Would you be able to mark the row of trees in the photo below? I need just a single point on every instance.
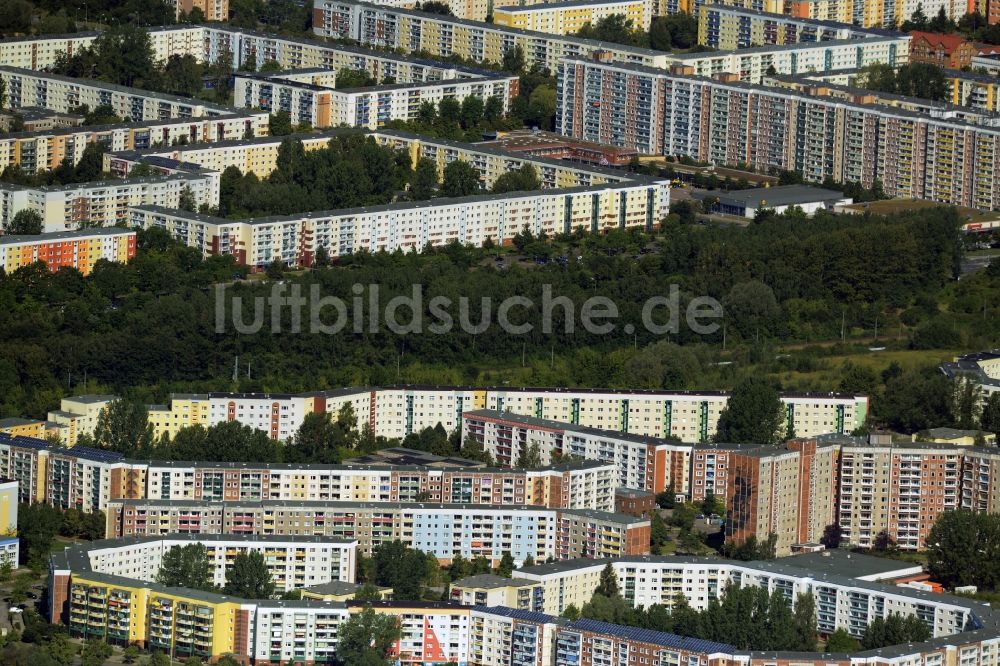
(40, 523)
(749, 618)
(147, 328)
(188, 566)
(351, 171)
(916, 79)
(675, 32)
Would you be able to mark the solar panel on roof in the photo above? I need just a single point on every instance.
(97, 455)
(651, 636)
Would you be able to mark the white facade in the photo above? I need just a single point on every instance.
(294, 562)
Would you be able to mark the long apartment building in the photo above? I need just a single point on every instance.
(94, 599)
(104, 203)
(397, 411)
(88, 479)
(63, 93)
(294, 562)
(897, 488)
(573, 196)
(444, 530)
(730, 27)
(294, 240)
(608, 417)
(44, 151)
(728, 122)
(866, 486)
(210, 42)
(876, 14)
(567, 18)
(446, 36)
(79, 249)
(843, 600)
(790, 492)
(309, 96)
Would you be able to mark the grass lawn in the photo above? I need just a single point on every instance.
(828, 371)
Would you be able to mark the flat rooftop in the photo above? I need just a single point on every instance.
(853, 565)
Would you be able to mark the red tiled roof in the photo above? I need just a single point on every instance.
(947, 41)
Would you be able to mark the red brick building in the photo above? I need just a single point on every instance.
(951, 51)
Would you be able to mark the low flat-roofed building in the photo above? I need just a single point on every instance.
(492, 590)
(746, 203)
(539, 143)
(339, 590)
(634, 501)
(957, 437)
(857, 565)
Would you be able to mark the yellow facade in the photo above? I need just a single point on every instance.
(182, 412)
(24, 428)
(8, 508)
(179, 624)
(569, 18)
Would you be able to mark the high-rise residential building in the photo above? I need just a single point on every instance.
(79, 249)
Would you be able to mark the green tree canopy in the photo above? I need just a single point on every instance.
(249, 577)
(754, 414)
(186, 566)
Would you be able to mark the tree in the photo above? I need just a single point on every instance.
(460, 179)
(401, 568)
(841, 642)
(530, 457)
(754, 414)
(130, 654)
(182, 75)
(249, 577)
(989, 419)
(506, 566)
(608, 584)
(712, 505)
(513, 60)
(26, 221)
(918, 20)
(38, 525)
(186, 200)
(541, 107)
(366, 638)
(894, 630)
(668, 498)
(123, 426)
(963, 548)
(884, 542)
(354, 78)
(275, 270)
(158, 659)
(752, 308)
(435, 7)
(571, 613)
(659, 535)
(941, 22)
(279, 124)
(472, 111)
(965, 402)
(186, 566)
(493, 109)
(368, 592)
(318, 438)
(832, 536)
(524, 179)
(425, 180)
(95, 652)
(805, 622)
(614, 28)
